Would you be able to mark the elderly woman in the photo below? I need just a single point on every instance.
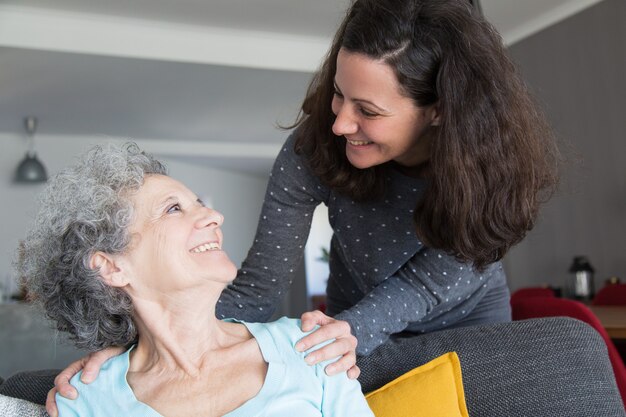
(123, 255)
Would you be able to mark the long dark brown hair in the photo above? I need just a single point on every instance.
(493, 157)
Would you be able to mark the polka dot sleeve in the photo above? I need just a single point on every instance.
(269, 268)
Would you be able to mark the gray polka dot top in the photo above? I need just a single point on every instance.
(383, 280)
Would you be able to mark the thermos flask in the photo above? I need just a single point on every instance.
(581, 279)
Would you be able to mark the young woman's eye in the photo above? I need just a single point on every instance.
(173, 208)
(367, 113)
(337, 93)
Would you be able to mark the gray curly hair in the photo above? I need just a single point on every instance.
(84, 209)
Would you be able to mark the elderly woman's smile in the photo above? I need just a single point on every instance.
(205, 247)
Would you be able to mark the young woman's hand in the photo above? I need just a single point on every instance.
(344, 344)
(90, 365)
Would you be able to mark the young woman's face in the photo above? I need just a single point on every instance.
(377, 121)
(176, 240)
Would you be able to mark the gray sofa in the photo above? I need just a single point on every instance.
(552, 367)
(556, 367)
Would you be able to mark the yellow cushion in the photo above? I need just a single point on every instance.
(431, 390)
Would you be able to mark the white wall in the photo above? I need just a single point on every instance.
(317, 271)
(237, 196)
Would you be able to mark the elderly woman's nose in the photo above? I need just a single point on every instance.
(209, 217)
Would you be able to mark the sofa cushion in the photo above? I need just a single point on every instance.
(14, 407)
(31, 386)
(431, 390)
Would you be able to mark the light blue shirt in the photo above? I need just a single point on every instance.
(291, 387)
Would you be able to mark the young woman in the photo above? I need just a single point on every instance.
(422, 140)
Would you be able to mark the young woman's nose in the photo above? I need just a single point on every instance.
(209, 217)
(345, 122)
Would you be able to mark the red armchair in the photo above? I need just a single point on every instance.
(611, 295)
(531, 292)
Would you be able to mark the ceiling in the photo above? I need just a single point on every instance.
(206, 80)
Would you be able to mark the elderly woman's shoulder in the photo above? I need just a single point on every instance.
(285, 330)
(285, 333)
(282, 335)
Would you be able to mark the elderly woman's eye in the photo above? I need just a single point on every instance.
(173, 208)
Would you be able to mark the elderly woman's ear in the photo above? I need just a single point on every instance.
(110, 269)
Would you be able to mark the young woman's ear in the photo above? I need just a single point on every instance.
(109, 269)
(434, 115)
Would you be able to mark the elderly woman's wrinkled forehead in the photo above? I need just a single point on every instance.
(157, 195)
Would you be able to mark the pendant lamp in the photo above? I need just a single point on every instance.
(30, 170)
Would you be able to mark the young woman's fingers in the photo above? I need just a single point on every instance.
(62, 380)
(310, 319)
(343, 346)
(90, 365)
(354, 372)
(95, 361)
(51, 405)
(345, 363)
(336, 329)
(338, 348)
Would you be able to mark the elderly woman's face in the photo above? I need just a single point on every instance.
(176, 240)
